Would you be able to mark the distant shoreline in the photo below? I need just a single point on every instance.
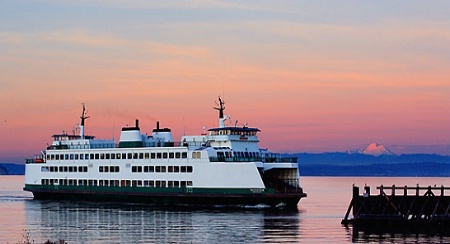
(422, 169)
(12, 169)
(379, 170)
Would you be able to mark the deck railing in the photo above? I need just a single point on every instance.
(254, 159)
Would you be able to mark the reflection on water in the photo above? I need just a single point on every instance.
(422, 232)
(317, 221)
(328, 199)
(398, 238)
(83, 222)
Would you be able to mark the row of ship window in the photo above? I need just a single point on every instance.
(116, 169)
(153, 155)
(170, 169)
(64, 169)
(232, 132)
(120, 183)
(114, 156)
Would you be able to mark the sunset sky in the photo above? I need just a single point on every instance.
(314, 76)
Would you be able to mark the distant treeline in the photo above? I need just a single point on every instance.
(399, 170)
(348, 164)
(341, 159)
(344, 164)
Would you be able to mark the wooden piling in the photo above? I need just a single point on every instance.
(426, 209)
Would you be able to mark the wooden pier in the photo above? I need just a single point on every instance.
(400, 209)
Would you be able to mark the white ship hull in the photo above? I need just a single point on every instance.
(152, 170)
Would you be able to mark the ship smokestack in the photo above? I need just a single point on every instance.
(137, 123)
(157, 125)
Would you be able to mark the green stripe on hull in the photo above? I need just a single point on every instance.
(117, 189)
(167, 196)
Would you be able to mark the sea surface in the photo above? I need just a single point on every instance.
(317, 219)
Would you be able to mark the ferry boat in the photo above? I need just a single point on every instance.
(224, 166)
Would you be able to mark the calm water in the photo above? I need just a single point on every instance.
(316, 221)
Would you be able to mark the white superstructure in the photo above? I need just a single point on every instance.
(223, 166)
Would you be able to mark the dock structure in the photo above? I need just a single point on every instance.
(413, 209)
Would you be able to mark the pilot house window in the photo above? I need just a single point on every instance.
(196, 154)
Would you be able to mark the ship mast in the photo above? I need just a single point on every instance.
(221, 108)
(83, 117)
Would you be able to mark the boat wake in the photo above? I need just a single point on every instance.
(12, 198)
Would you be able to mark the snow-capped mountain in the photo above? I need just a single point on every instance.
(374, 149)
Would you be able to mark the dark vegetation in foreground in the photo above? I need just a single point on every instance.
(27, 239)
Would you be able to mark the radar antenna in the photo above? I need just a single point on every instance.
(83, 114)
(220, 107)
(83, 117)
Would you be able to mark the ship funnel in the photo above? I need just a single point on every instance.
(162, 136)
(131, 137)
